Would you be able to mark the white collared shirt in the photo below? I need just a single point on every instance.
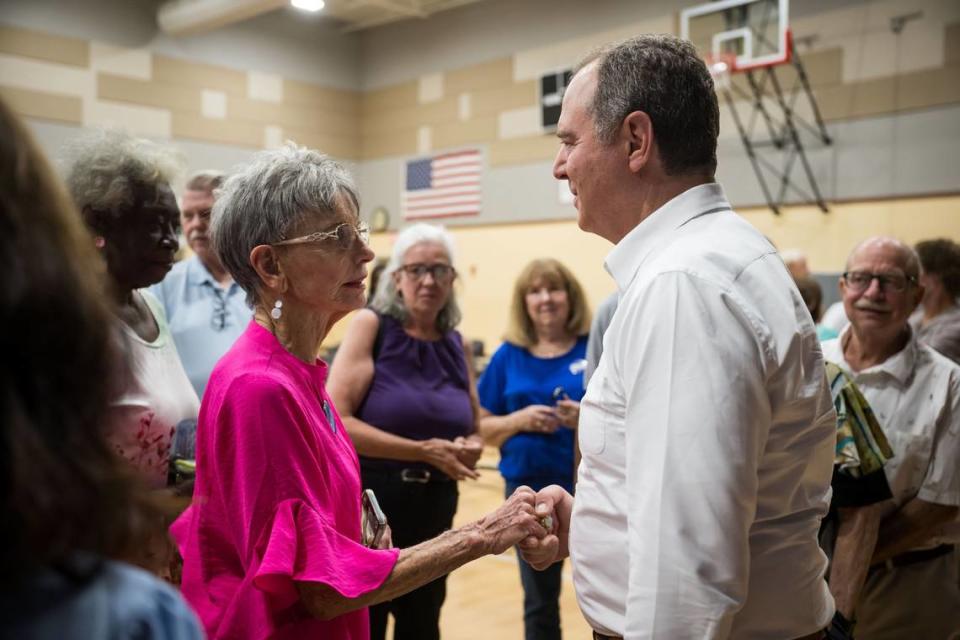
(707, 435)
(915, 395)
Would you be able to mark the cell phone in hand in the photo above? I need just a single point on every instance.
(374, 522)
(560, 394)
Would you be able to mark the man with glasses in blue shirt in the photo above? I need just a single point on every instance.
(206, 309)
(911, 590)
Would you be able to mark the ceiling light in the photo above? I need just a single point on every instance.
(308, 5)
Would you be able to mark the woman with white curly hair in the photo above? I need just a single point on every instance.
(121, 185)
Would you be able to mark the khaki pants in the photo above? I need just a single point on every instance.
(920, 600)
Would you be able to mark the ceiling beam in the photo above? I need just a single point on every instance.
(189, 17)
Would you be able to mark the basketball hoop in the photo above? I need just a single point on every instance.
(721, 66)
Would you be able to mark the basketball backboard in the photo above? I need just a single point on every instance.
(755, 33)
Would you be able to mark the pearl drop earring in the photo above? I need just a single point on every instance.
(277, 310)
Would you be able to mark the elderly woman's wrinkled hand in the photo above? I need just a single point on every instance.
(554, 507)
(445, 455)
(513, 521)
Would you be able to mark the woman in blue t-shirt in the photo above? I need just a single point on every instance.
(529, 397)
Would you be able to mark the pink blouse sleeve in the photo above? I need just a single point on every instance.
(291, 495)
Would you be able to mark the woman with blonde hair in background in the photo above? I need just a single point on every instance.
(405, 389)
(529, 394)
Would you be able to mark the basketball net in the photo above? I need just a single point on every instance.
(721, 66)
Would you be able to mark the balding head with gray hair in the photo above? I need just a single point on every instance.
(265, 201)
(909, 261)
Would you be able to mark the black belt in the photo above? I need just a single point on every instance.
(913, 557)
(415, 475)
(600, 636)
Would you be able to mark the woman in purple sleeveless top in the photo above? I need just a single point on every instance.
(405, 391)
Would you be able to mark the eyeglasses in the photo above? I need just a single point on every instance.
(219, 319)
(343, 236)
(859, 281)
(441, 272)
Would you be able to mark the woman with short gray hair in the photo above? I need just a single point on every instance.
(405, 389)
(272, 544)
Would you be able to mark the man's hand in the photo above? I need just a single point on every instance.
(470, 451)
(513, 521)
(542, 551)
(445, 455)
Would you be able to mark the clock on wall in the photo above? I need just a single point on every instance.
(379, 219)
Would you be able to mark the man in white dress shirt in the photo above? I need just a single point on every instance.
(707, 431)
(912, 589)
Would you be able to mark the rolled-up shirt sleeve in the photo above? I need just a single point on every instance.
(941, 484)
(697, 417)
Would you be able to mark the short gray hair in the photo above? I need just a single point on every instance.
(664, 77)
(387, 299)
(104, 167)
(205, 180)
(264, 201)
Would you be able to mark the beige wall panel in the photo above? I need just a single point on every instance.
(45, 77)
(476, 131)
(294, 116)
(44, 46)
(532, 63)
(150, 94)
(511, 96)
(341, 147)
(477, 77)
(134, 63)
(857, 100)
(823, 67)
(47, 106)
(523, 150)
(196, 127)
(392, 143)
(188, 73)
(487, 276)
(828, 239)
(312, 95)
(929, 88)
(146, 121)
(398, 96)
(443, 111)
(951, 44)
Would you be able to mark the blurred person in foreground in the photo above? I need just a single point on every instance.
(272, 542)
(404, 388)
(529, 394)
(707, 431)
(937, 320)
(206, 310)
(71, 509)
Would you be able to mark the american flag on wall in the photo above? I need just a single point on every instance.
(443, 186)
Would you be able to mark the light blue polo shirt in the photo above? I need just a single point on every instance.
(205, 318)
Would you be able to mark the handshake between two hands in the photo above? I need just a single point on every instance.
(538, 523)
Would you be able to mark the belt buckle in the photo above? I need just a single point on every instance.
(421, 476)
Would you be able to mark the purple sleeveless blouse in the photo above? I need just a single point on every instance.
(420, 389)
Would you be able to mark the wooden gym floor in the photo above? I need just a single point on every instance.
(484, 598)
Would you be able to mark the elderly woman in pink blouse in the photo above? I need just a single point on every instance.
(272, 544)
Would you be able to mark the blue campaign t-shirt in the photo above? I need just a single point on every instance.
(515, 379)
